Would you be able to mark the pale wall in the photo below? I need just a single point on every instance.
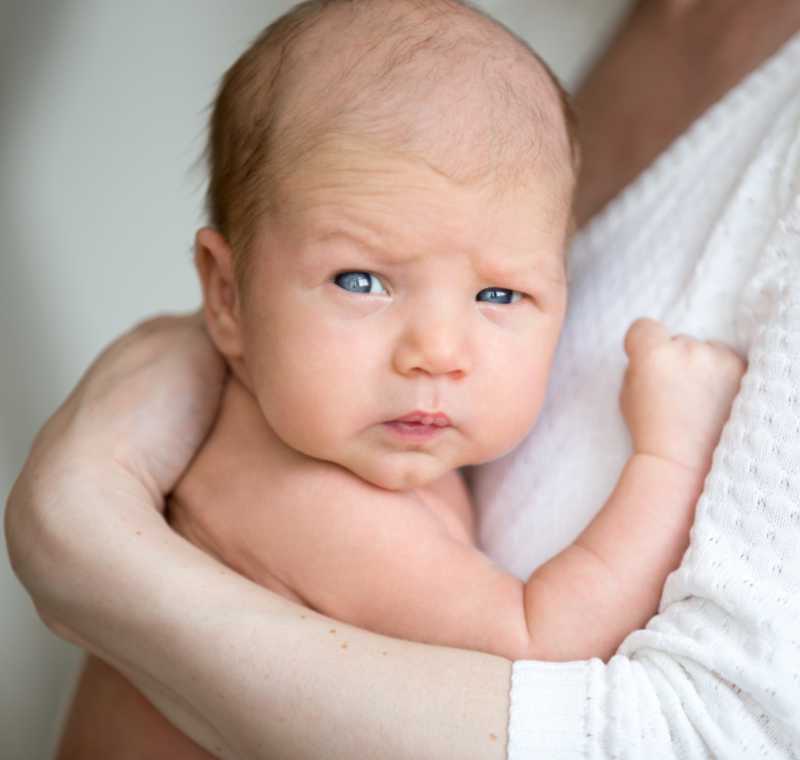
(102, 115)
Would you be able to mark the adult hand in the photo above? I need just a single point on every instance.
(128, 429)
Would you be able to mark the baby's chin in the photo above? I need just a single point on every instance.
(400, 472)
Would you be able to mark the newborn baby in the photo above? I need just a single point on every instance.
(390, 197)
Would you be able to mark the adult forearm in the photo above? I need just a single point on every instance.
(671, 60)
(589, 597)
(244, 672)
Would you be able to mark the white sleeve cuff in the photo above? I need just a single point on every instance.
(551, 710)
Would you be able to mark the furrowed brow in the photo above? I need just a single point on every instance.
(369, 248)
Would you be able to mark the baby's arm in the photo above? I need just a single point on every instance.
(676, 398)
(384, 561)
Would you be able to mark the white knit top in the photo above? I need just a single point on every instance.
(707, 240)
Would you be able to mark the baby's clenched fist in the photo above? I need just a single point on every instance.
(677, 393)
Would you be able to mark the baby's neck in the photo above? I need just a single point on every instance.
(242, 428)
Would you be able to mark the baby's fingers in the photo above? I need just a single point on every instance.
(728, 357)
(726, 348)
(643, 335)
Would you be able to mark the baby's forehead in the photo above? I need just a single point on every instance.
(397, 211)
(453, 88)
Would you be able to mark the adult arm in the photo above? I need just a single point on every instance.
(671, 60)
(87, 539)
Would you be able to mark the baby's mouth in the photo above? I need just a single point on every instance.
(429, 419)
(419, 425)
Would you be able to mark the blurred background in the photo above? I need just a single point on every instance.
(103, 106)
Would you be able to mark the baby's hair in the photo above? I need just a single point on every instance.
(250, 144)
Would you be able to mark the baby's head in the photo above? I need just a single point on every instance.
(390, 196)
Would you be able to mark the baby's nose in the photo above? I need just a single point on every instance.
(435, 345)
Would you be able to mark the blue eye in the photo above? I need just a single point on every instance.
(358, 282)
(499, 295)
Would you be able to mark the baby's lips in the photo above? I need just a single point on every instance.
(437, 419)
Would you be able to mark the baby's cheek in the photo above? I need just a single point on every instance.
(508, 413)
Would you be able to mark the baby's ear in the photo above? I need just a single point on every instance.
(213, 259)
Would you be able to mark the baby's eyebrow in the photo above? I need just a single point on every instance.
(347, 236)
(537, 270)
(372, 249)
(538, 267)
(318, 250)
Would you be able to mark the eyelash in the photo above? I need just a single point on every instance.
(369, 274)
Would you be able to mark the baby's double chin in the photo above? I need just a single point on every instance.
(396, 476)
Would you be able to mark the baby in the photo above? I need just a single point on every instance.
(390, 196)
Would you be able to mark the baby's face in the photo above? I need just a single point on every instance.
(385, 290)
